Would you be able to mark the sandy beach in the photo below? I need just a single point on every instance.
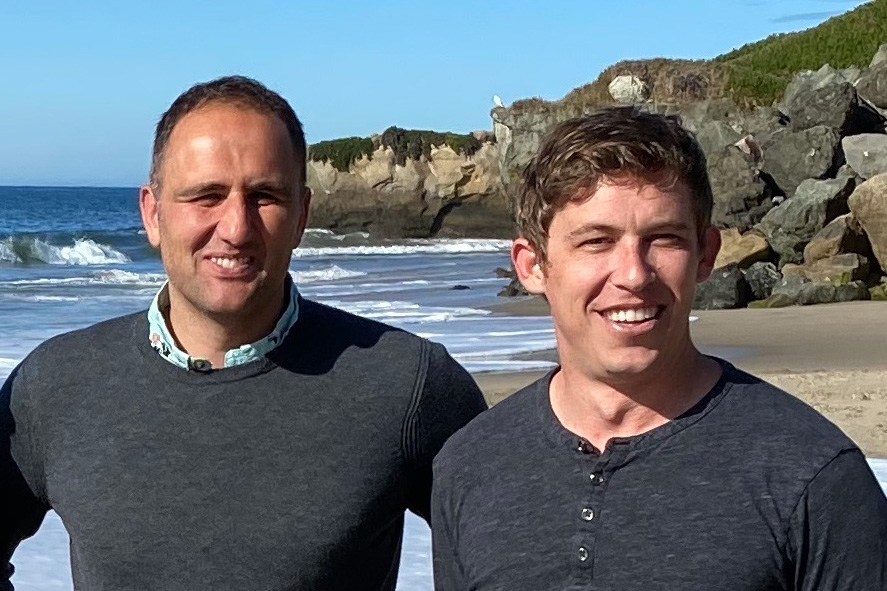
(834, 357)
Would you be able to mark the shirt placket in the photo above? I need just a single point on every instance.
(597, 468)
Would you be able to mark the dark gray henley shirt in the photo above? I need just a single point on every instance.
(749, 490)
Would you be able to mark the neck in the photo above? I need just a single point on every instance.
(602, 408)
(210, 337)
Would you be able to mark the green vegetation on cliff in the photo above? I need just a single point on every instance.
(405, 143)
(754, 74)
(341, 153)
(412, 143)
(759, 72)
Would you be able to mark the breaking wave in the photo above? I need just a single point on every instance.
(464, 246)
(26, 250)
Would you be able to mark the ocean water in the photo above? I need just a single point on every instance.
(70, 257)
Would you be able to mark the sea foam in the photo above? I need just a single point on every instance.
(23, 250)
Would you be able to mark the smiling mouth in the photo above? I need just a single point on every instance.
(232, 263)
(633, 316)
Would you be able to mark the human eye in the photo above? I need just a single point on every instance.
(668, 239)
(208, 199)
(266, 198)
(599, 242)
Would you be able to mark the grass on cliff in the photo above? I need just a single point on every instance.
(406, 143)
(754, 74)
(759, 72)
(341, 153)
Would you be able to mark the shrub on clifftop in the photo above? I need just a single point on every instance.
(412, 143)
(341, 153)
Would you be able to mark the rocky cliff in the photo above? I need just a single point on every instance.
(444, 193)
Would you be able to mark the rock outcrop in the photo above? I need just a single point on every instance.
(447, 194)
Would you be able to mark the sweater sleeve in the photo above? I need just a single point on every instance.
(446, 398)
(21, 511)
(838, 532)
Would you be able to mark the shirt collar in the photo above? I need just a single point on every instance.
(161, 338)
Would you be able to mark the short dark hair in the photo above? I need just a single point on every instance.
(616, 143)
(233, 90)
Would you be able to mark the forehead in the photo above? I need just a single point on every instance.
(621, 201)
(221, 120)
(226, 139)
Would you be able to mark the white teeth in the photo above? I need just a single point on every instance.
(230, 263)
(631, 314)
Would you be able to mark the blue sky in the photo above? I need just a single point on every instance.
(85, 82)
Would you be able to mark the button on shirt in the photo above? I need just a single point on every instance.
(161, 338)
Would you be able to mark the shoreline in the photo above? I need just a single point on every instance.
(831, 356)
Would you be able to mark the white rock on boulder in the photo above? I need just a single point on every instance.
(629, 89)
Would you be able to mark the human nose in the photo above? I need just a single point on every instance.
(235, 223)
(632, 269)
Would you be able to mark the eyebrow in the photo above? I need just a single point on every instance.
(266, 186)
(584, 229)
(202, 188)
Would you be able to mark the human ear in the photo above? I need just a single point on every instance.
(150, 211)
(528, 266)
(304, 202)
(711, 245)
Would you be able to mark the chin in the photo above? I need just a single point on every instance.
(630, 363)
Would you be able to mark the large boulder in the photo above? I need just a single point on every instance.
(792, 224)
(840, 269)
(869, 205)
(725, 288)
(880, 56)
(628, 89)
(715, 136)
(791, 156)
(818, 292)
(825, 97)
(872, 85)
(866, 153)
(762, 277)
(842, 234)
(741, 194)
(741, 249)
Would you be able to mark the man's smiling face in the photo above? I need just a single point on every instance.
(620, 273)
(228, 211)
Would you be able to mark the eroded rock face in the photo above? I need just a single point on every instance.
(448, 194)
(869, 205)
(792, 224)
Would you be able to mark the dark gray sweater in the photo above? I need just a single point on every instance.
(292, 472)
(749, 490)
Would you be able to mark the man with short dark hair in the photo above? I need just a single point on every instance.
(235, 435)
(640, 463)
